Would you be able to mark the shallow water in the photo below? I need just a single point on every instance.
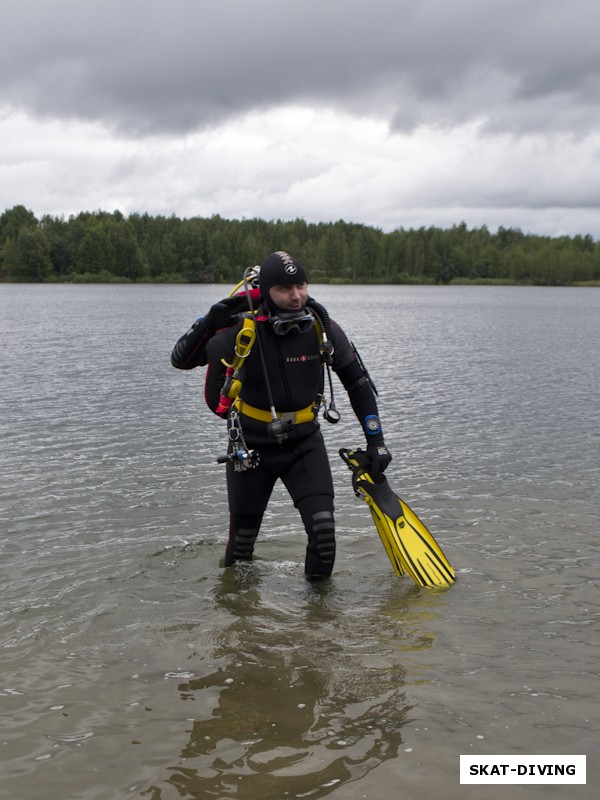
(132, 666)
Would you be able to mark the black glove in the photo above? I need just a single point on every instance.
(379, 457)
(222, 315)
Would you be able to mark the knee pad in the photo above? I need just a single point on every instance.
(243, 531)
(319, 522)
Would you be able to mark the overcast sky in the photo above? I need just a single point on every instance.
(393, 113)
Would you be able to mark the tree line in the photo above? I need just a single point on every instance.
(102, 246)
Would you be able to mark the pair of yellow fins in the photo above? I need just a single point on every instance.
(410, 546)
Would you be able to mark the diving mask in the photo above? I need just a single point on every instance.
(285, 322)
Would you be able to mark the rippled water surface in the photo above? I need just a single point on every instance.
(133, 666)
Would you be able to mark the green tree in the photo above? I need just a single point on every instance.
(28, 257)
(333, 253)
(105, 245)
(128, 257)
(13, 219)
(91, 253)
(364, 253)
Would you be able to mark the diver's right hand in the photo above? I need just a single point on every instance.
(221, 315)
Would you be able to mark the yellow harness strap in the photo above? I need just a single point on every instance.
(243, 345)
(297, 417)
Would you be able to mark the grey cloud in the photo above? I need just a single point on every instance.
(151, 67)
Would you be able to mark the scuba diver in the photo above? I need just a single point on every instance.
(266, 376)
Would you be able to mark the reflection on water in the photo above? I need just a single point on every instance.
(307, 701)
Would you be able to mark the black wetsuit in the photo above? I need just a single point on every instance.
(295, 370)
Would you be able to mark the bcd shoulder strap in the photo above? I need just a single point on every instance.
(244, 342)
(228, 372)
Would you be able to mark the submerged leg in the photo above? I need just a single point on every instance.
(318, 518)
(248, 493)
(243, 530)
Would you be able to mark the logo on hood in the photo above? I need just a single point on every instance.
(288, 262)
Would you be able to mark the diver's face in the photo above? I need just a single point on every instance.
(290, 298)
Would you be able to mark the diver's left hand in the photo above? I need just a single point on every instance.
(379, 457)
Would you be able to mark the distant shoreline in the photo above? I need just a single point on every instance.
(335, 282)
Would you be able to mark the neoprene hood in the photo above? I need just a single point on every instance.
(280, 269)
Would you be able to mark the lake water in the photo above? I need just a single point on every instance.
(133, 666)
